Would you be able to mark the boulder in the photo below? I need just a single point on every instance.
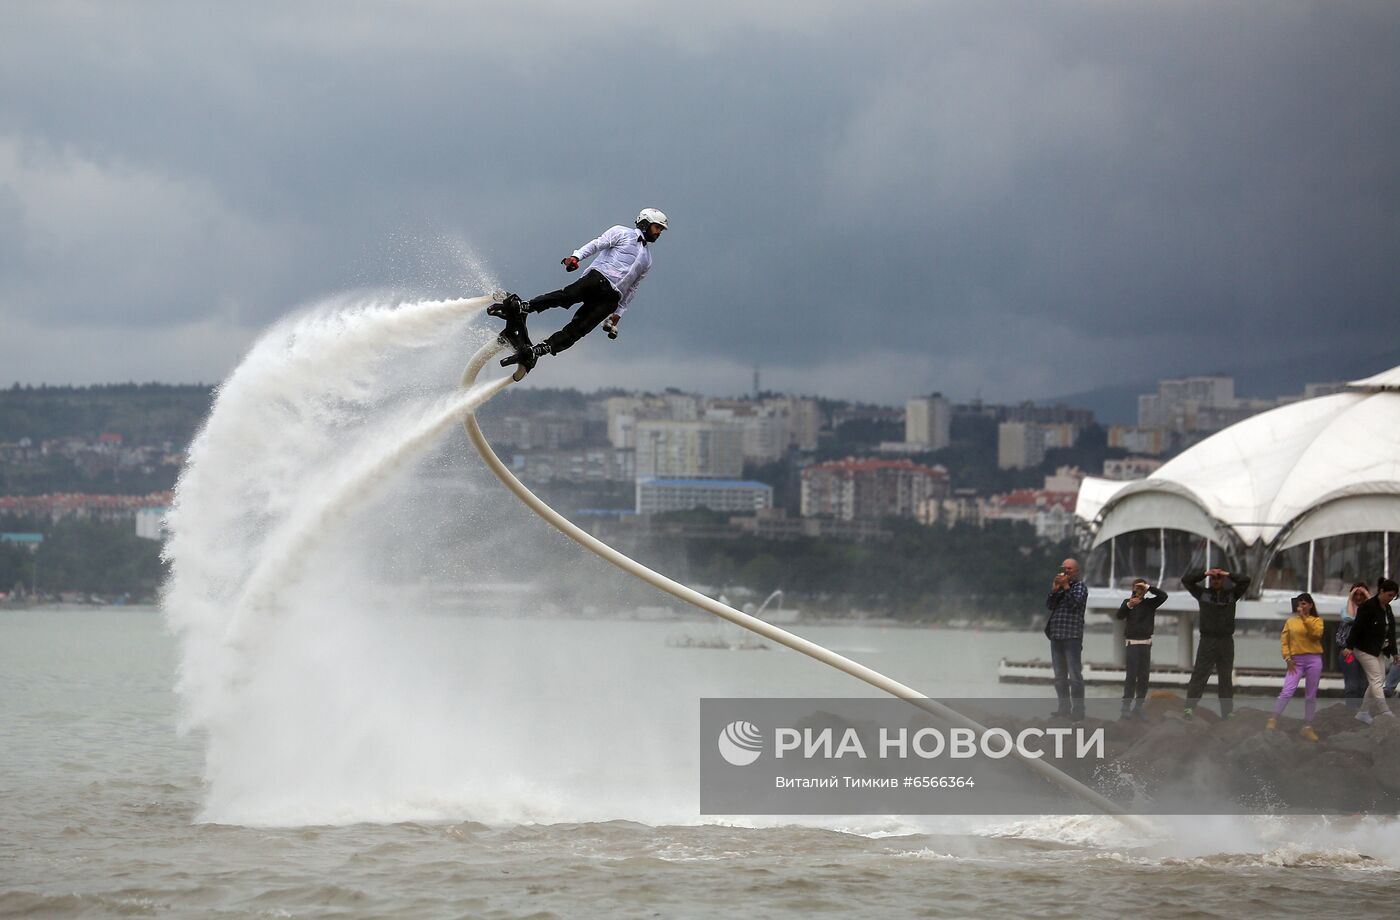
(1169, 748)
(1334, 718)
(1355, 742)
(1335, 780)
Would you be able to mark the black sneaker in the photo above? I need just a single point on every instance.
(541, 350)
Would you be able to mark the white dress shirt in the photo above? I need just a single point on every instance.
(623, 259)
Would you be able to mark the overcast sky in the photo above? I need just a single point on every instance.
(868, 199)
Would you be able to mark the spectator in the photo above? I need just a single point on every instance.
(1065, 630)
(1392, 679)
(1353, 681)
(1373, 635)
(1301, 642)
(1139, 610)
(1216, 651)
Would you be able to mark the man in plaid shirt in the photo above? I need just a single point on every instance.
(1065, 630)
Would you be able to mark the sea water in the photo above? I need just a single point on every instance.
(561, 782)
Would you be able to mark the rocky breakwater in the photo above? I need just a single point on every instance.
(1167, 764)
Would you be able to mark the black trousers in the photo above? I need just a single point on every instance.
(1139, 667)
(597, 301)
(1218, 655)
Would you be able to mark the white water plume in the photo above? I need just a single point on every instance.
(326, 690)
(317, 415)
(287, 548)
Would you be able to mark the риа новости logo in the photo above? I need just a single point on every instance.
(740, 743)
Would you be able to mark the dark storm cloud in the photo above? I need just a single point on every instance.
(905, 196)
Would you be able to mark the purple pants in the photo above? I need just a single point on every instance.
(1307, 667)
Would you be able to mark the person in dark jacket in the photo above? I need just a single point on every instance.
(1373, 635)
(1216, 651)
(1139, 610)
(1064, 627)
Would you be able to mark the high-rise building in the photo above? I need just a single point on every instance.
(854, 489)
(689, 450)
(1149, 411)
(682, 407)
(1019, 445)
(804, 420)
(622, 420)
(1061, 434)
(927, 421)
(1178, 402)
(765, 428)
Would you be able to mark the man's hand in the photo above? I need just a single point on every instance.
(1292, 668)
(610, 325)
(1060, 583)
(570, 263)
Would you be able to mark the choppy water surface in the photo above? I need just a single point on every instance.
(103, 808)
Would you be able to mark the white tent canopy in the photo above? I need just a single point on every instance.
(1354, 514)
(1319, 467)
(1385, 380)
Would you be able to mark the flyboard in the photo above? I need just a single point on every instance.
(515, 337)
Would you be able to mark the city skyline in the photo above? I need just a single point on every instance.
(874, 202)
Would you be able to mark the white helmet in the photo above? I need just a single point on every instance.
(651, 216)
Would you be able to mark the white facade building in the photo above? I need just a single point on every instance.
(622, 420)
(928, 421)
(689, 450)
(655, 496)
(150, 523)
(763, 428)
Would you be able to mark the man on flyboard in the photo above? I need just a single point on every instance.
(603, 292)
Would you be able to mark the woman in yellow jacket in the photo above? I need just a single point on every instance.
(1301, 642)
